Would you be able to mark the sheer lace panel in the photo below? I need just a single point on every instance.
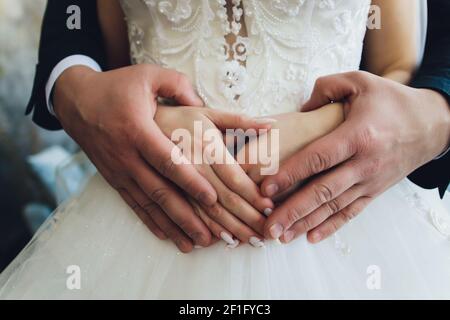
(235, 30)
(249, 56)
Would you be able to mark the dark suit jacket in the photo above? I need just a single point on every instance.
(435, 74)
(58, 42)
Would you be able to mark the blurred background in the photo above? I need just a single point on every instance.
(38, 168)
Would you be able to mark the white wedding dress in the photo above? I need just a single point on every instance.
(397, 248)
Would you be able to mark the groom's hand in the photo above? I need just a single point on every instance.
(110, 115)
(389, 131)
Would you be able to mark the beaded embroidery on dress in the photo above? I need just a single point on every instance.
(280, 47)
(256, 57)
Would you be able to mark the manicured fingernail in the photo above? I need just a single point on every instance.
(256, 242)
(288, 236)
(265, 120)
(268, 212)
(271, 190)
(234, 245)
(316, 237)
(276, 231)
(207, 198)
(227, 238)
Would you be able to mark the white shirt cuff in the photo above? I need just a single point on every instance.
(442, 155)
(63, 65)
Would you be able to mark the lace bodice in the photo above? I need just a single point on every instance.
(278, 48)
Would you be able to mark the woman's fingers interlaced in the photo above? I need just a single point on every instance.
(236, 180)
(236, 227)
(217, 230)
(244, 214)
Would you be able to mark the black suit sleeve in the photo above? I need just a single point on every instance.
(58, 42)
(435, 74)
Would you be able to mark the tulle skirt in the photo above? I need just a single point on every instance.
(398, 248)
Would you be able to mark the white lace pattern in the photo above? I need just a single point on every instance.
(272, 69)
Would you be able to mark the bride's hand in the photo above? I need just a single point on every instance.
(240, 205)
(296, 130)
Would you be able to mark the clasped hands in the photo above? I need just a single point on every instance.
(120, 127)
(239, 215)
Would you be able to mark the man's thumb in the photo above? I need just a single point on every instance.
(329, 89)
(176, 85)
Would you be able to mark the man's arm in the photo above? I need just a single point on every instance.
(389, 131)
(59, 42)
(58, 45)
(434, 74)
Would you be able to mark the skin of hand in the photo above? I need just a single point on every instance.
(112, 121)
(240, 205)
(389, 131)
(296, 130)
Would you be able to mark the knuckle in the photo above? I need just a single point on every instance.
(371, 168)
(352, 211)
(334, 226)
(166, 167)
(160, 196)
(293, 215)
(289, 177)
(149, 208)
(369, 138)
(362, 78)
(306, 224)
(232, 199)
(375, 166)
(235, 181)
(323, 193)
(215, 212)
(333, 207)
(348, 214)
(134, 206)
(318, 162)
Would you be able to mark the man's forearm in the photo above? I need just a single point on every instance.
(434, 74)
(436, 173)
